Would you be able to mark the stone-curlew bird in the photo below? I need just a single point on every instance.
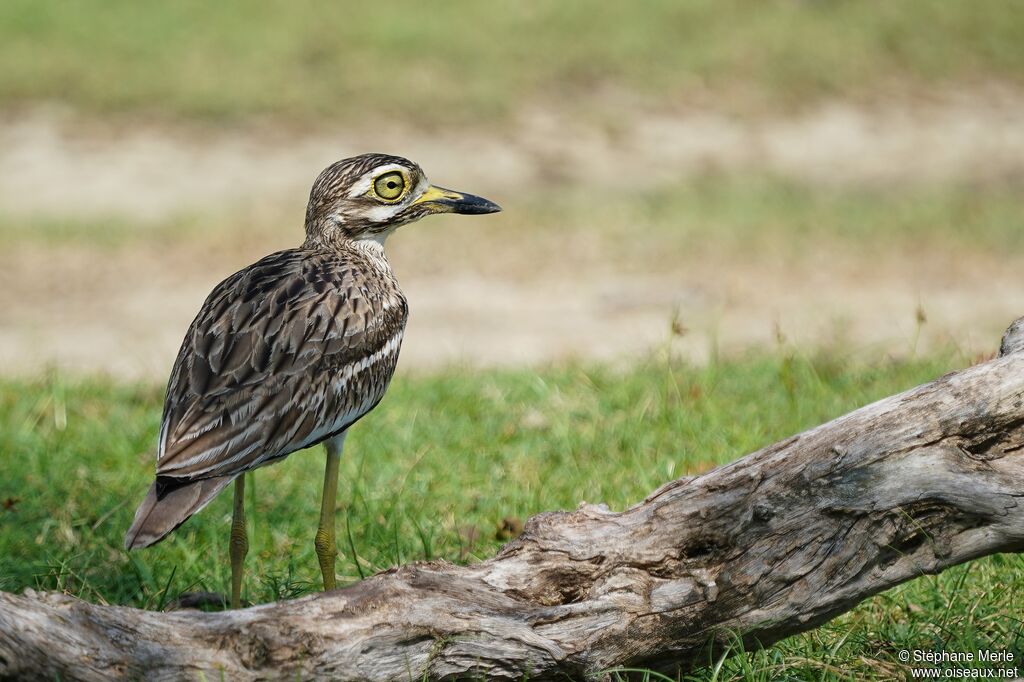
(290, 352)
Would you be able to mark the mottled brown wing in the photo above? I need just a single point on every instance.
(282, 355)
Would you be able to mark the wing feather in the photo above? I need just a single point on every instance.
(283, 354)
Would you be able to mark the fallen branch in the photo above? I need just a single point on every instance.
(773, 544)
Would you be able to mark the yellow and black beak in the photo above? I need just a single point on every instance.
(441, 200)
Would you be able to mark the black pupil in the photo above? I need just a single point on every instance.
(392, 184)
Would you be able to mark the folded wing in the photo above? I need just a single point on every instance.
(282, 355)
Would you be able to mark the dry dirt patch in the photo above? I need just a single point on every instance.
(504, 299)
(53, 163)
(125, 312)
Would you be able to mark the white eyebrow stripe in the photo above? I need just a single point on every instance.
(362, 185)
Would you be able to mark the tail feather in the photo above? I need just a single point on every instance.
(167, 507)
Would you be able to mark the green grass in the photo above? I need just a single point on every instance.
(465, 61)
(437, 468)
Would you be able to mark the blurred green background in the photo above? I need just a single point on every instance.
(724, 222)
(460, 62)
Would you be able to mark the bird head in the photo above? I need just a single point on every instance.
(368, 196)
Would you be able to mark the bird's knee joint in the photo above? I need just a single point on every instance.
(324, 544)
(239, 546)
(239, 543)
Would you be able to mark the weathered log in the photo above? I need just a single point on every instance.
(773, 544)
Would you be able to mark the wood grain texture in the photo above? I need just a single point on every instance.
(773, 544)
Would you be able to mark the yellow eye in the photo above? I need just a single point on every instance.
(389, 186)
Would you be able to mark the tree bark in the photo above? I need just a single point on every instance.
(771, 545)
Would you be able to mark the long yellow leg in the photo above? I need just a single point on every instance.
(239, 545)
(326, 548)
